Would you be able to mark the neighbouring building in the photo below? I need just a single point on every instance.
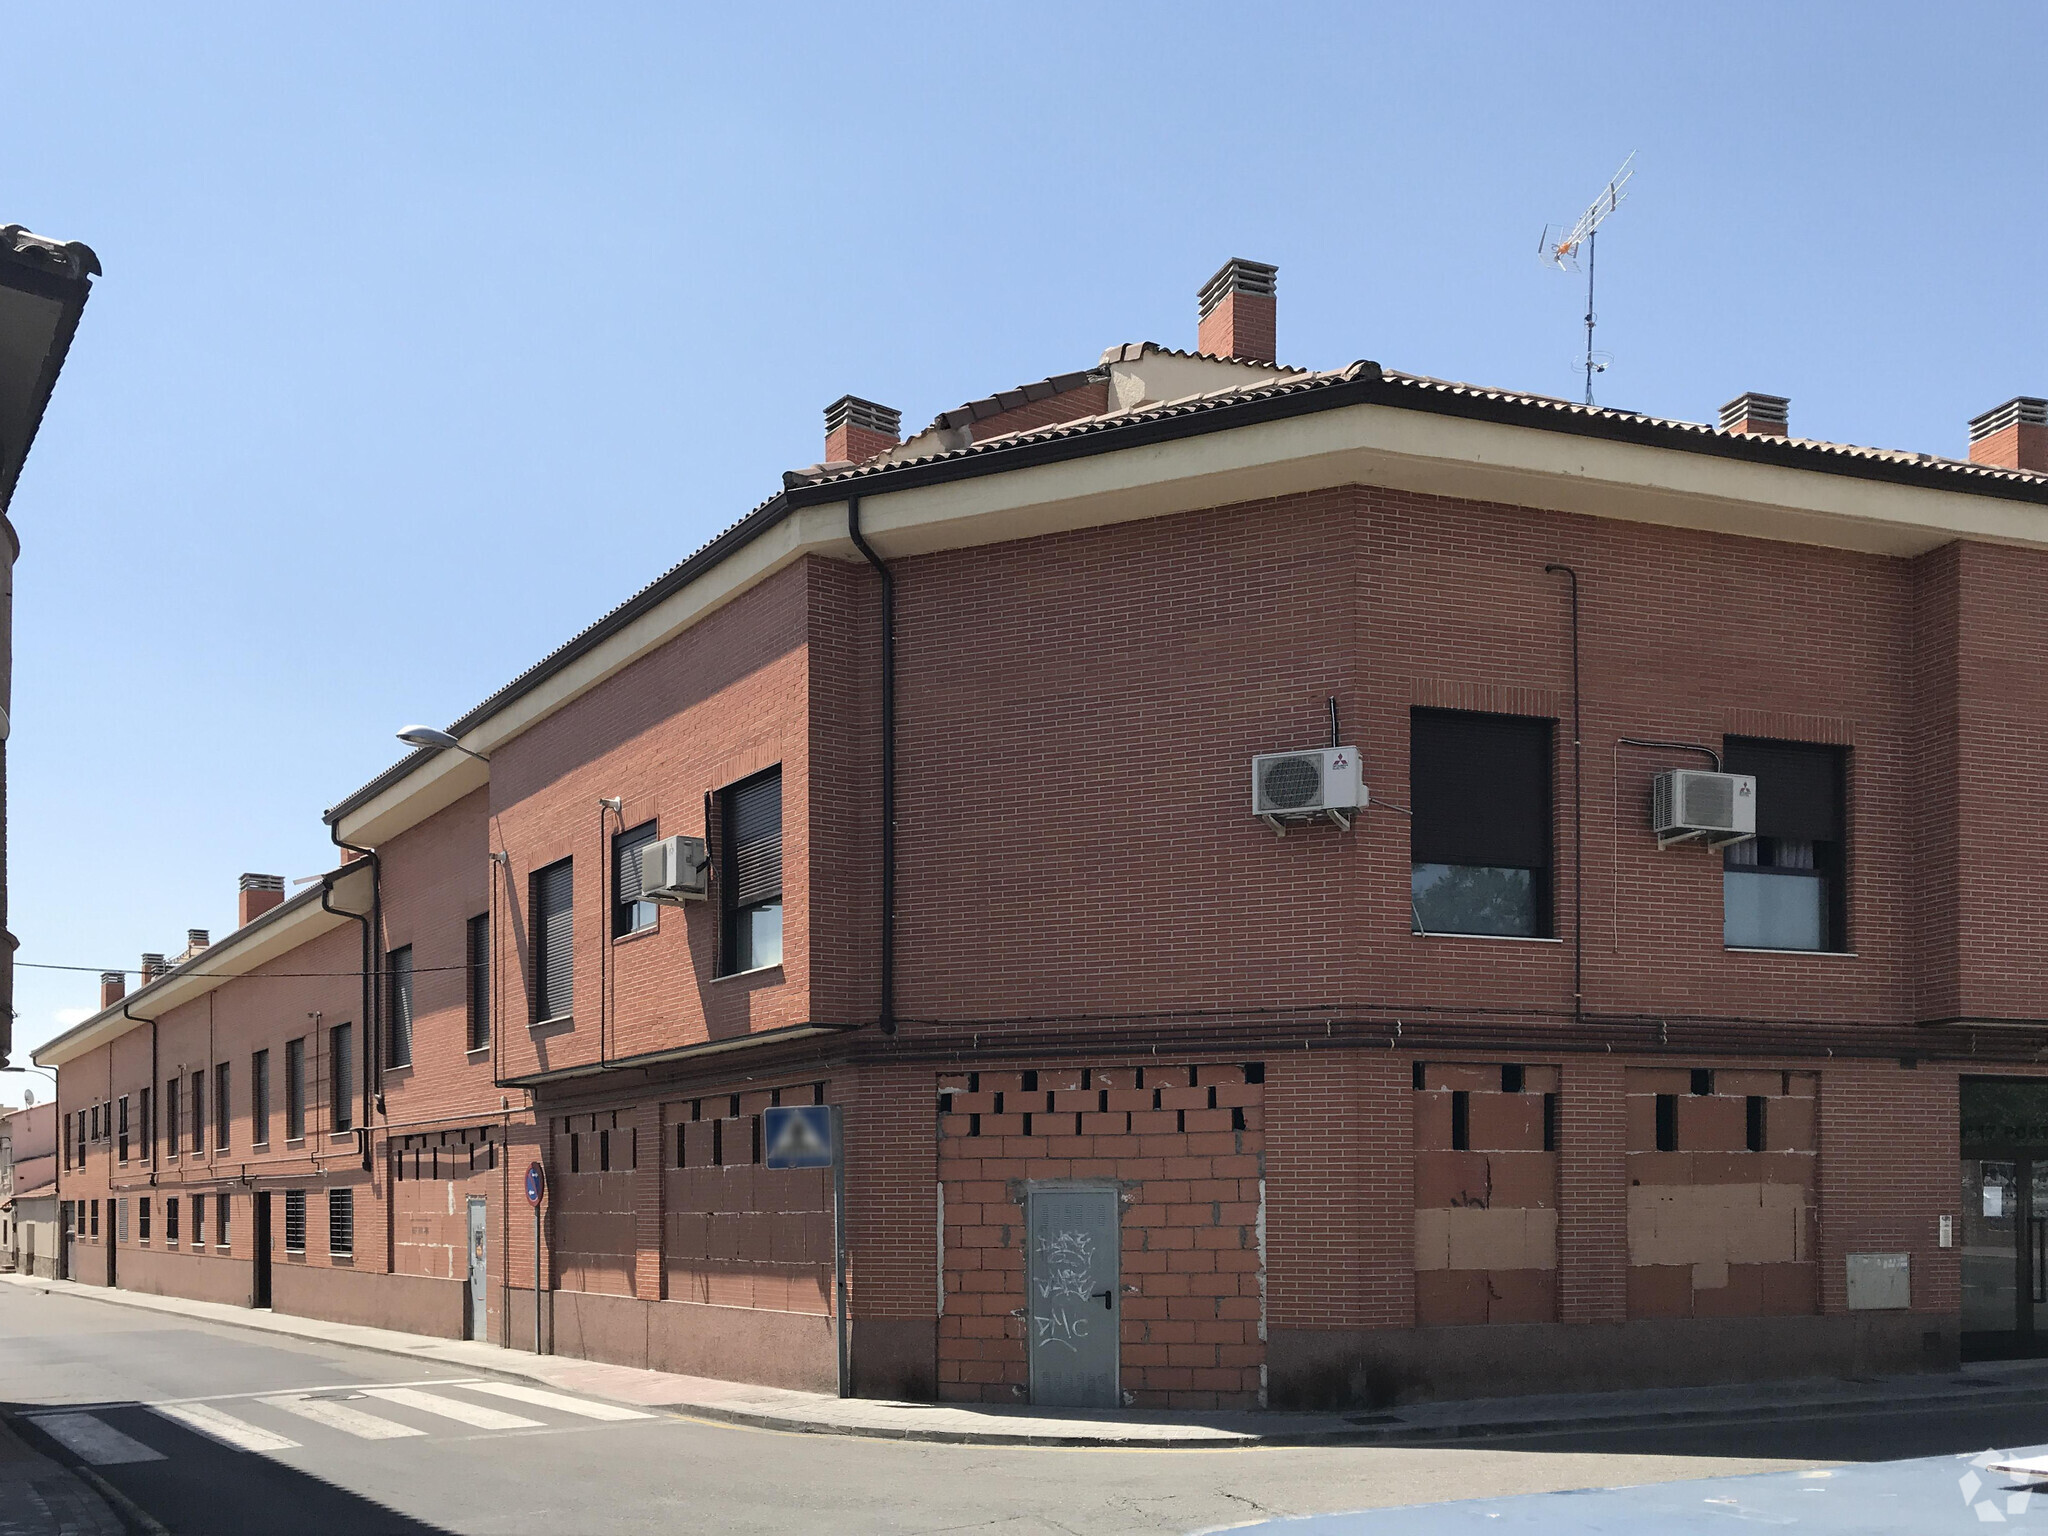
(28, 1190)
(43, 288)
(1660, 1011)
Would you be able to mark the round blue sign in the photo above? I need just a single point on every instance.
(536, 1181)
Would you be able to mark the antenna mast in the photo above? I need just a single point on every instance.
(1561, 250)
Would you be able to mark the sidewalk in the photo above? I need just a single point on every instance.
(1979, 1386)
(40, 1498)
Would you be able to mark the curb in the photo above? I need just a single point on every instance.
(139, 1521)
(1396, 1433)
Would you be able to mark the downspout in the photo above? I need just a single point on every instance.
(373, 924)
(1578, 813)
(887, 1010)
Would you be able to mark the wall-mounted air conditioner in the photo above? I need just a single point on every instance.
(1717, 807)
(1300, 786)
(675, 870)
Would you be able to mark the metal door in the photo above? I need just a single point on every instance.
(259, 1276)
(478, 1247)
(1072, 1297)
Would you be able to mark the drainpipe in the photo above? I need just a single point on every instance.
(887, 1015)
(1578, 812)
(373, 927)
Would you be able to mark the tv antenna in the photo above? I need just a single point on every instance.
(1560, 247)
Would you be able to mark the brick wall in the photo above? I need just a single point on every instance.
(1185, 1147)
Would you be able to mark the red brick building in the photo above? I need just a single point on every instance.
(1141, 1102)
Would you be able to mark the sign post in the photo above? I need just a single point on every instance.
(536, 1186)
(813, 1136)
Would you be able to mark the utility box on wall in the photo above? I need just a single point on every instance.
(1880, 1282)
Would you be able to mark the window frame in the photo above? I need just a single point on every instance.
(398, 981)
(476, 954)
(295, 1089)
(341, 1097)
(543, 995)
(1426, 837)
(638, 915)
(341, 1221)
(736, 956)
(223, 1078)
(174, 1114)
(259, 1098)
(1830, 858)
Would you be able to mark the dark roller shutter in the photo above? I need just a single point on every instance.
(1798, 787)
(479, 958)
(626, 850)
(401, 1007)
(754, 824)
(554, 933)
(1479, 787)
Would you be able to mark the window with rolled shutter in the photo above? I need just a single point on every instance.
(1480, 789)
(750, 828)
(399, 964)
(478, 956)
(629, 912)
(553, 941)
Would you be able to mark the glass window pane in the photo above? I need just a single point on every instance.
(1470, 898)
(1761, 911)
(760, 936)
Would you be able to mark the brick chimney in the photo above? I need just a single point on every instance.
(1238, 312)
(259, 894)
(856, 430)
(2014, 436)
(1758, 415)
(196, 940)
(113, 987)
(152, 967)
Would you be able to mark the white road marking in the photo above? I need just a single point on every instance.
(93, 1440)
(540, 1398)
(225, 1428)
(325, 1386)
(350, 1421)
(451, 1408)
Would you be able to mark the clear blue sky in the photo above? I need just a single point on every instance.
(429, 332)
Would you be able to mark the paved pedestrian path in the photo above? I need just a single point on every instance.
(40, 1498)
(1977, 1386)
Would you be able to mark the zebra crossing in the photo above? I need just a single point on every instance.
(269, 1423)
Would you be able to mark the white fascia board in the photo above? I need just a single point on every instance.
(236, 955)
(1372, 445)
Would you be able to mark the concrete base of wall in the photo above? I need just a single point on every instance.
(409, 1303)
(777, 1349)
(202, 1277)
(1344, 1368)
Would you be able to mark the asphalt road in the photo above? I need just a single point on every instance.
(219, 1431)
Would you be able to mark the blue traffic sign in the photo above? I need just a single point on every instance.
(797, 1136)
(536, 1182)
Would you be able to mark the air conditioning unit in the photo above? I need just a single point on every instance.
(1718, 807)
(1300, 786)
(675, 870)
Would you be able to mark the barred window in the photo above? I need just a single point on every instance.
(294, 1220)
(341, 1222)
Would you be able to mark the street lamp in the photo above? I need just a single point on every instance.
(427, 736)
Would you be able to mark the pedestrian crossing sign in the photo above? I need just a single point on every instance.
(797, 1136)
